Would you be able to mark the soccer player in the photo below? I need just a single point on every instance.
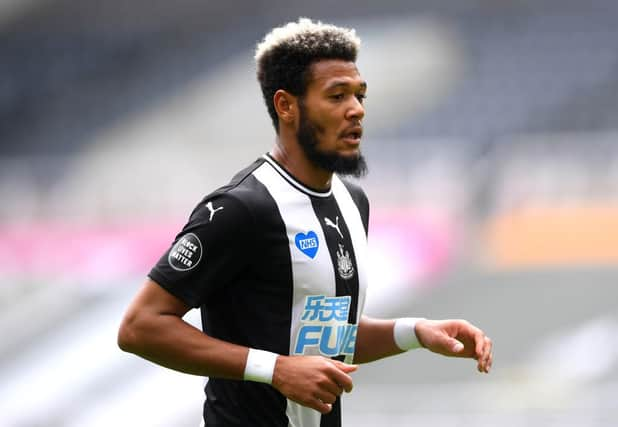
(277, 259)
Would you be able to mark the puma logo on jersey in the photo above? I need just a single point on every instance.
(334, 225)
(212, 210)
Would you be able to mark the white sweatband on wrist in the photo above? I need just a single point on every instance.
(260, 366)
(404, 333)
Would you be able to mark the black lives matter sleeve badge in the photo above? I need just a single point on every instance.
(186, 253)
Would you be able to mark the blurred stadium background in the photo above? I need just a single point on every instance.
(492, 137)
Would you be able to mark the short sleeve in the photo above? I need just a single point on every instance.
(210, 251)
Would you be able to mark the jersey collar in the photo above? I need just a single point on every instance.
(293, 181)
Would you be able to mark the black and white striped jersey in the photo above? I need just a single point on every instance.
(276, 266)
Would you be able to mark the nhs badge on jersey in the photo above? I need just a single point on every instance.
(307, 243)
(325, 328)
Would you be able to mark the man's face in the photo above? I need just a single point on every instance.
(330, 114)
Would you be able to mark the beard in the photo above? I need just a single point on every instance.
(331, 161)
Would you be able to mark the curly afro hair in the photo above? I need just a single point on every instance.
(284, 57)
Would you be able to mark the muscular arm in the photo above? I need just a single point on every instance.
(153, 328)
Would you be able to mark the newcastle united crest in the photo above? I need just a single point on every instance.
(344, 264)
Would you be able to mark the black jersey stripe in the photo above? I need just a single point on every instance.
(333, 418)
(346, 231)
(342, 256)
(355, 221)
(341, 250)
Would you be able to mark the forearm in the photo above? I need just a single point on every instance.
(374, 340)
(171, 342)
(153, 328)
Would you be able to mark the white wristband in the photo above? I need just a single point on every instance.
(404, 333)
(260, 366)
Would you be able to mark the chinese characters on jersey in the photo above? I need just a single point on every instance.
(324, 325)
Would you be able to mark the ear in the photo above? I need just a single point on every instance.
(286, 106)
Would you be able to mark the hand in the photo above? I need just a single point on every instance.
(312, 381)
(456, 338)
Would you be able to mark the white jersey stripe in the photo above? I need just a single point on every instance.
(311, 275)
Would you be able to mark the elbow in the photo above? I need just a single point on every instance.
(127, 335)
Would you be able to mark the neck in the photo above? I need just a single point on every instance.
(293, 159)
